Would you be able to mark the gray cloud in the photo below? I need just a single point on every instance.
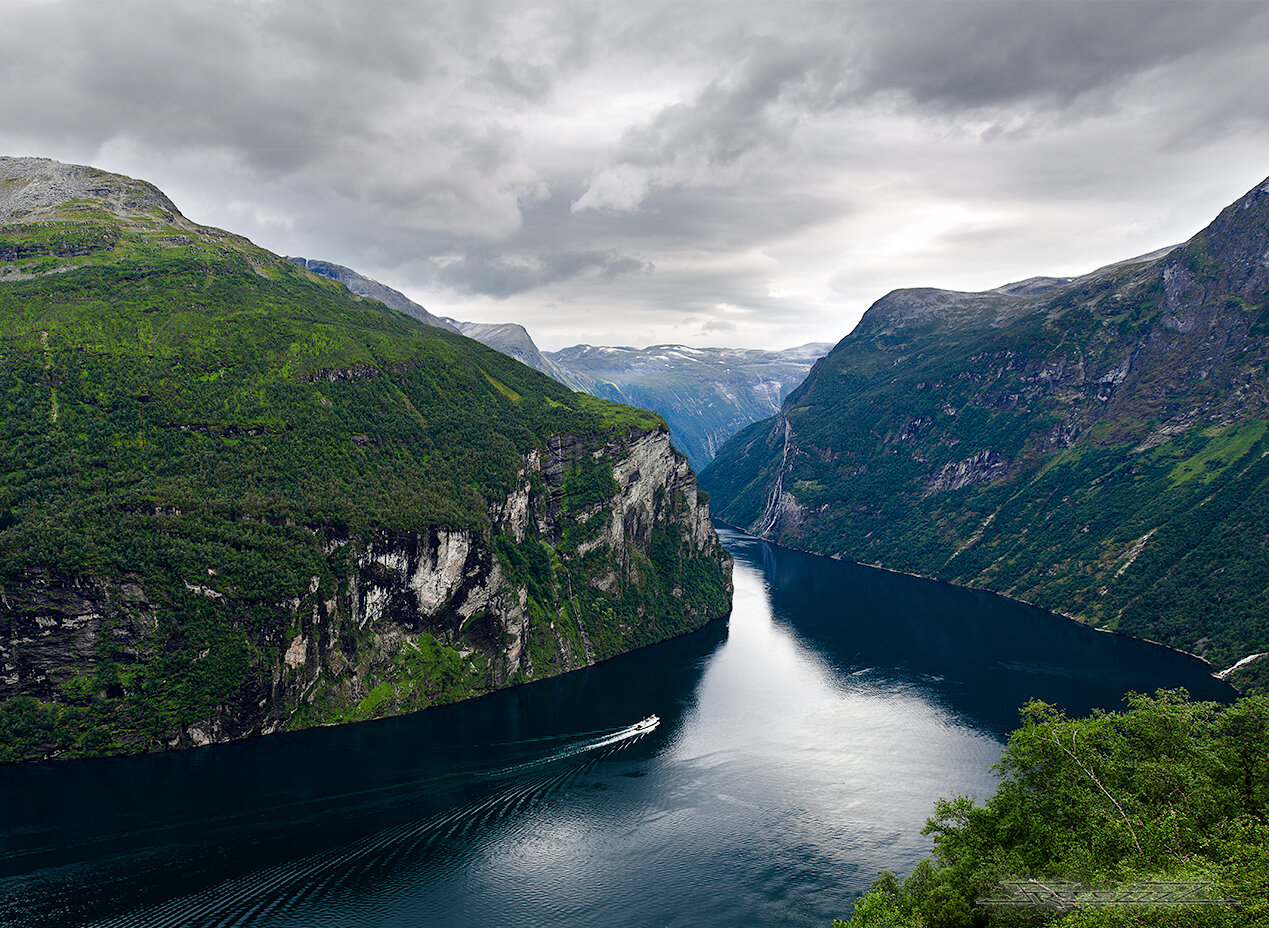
(764, 169)
(500, 275)
(530, 81)
(965, 55)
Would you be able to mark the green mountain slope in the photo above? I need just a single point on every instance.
(705, 395)
(372, 289)
(1098, 445)
(236, 498)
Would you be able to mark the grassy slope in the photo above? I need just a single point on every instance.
(183, 409)
(892, 404)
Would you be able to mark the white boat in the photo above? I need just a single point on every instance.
(647, 724)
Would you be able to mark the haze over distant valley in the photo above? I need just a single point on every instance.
(705, 394)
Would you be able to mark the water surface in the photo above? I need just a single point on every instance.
(801, 749)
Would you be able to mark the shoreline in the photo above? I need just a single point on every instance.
(982, 589)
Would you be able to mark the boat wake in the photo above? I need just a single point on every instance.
(604, 739)
(291, 892)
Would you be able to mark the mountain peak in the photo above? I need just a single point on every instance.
(37, 189)
(1230, 256)
(55, 217)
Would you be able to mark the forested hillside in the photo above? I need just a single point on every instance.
(1098, 445)
(236, 498)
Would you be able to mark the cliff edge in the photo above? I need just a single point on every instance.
(237, 499)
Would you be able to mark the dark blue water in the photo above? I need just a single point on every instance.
(801, 750)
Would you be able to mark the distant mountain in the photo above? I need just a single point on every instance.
(372, 289)
(514, 340)
(1098, 445)
(705, 394)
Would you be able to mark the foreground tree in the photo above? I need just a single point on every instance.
(1168, 796)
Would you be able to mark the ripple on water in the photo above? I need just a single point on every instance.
(801, 750)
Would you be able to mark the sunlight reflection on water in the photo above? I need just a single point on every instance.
(800, 750)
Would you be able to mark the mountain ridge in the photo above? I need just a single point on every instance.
(702, 410)
(513, 339)
(236, 498)
(705, 394)
(1095, 445)
(370, 288)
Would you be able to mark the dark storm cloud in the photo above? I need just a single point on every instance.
(532, 82)
(964, 55)
(274, 87)
(755, 166)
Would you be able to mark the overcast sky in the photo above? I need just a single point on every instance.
(738, 174)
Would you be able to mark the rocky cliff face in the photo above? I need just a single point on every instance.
(419, 618)
(1096, 444)
(235, 498)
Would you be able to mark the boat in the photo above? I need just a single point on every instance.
(647, 724)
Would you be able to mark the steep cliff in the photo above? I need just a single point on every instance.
(236, 499)
(597, 550)
(1098, 445)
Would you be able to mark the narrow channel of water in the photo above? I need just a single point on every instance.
(800, 750)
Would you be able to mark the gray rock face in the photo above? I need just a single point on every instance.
(33, 189)
(355, 652)
(56, 624)
(372, 289)
(983, 467)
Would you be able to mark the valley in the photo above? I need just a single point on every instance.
(1095, 445)
(577, 464)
